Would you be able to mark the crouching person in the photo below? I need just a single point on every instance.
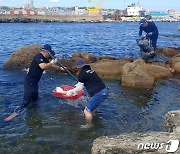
(94, 85)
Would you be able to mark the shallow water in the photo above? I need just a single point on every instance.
(55, 125)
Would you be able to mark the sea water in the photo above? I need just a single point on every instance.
(54, 125)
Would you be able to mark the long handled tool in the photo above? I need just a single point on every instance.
(11, 116)
(17, 111)
(64, 67)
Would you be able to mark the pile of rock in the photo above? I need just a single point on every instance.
(135, 73)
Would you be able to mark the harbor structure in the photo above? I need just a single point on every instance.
(135, 10)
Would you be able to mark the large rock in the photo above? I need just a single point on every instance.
(109, 69)
(22, 57)
(89, 58)
(150, 142)
(175, 63)
(158, 72)
(135, 143)
(168, 52)
(172, 121)
(140, 74)
(136, 77)
(131, 73)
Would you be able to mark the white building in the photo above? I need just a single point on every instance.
(80, 11)
(174, 14)
(135, 10)
(53, 11)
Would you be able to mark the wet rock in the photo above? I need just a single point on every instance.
(140, 74)
(150, 142)
(134, 143)
(172, 122)
(108, 57)
(168, 52)
(139, 62)
(109, 69)
(175, 63)
(89, 58)
(75, 56)
(158, 72)
(136, 76)
(131, 73)
(161, 64)
(22, 57)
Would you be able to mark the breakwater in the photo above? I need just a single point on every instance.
(17, 18)
(43, 18)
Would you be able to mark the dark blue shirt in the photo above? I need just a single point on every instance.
(150, 28)
(35, 72)
(91, 80)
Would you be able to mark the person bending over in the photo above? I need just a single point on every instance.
(94, 85)
(151, 30)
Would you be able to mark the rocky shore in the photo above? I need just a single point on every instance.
(132, 73)
(147, 143)
(43, 18)
(17, 18)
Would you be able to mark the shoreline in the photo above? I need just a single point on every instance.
(64, 18)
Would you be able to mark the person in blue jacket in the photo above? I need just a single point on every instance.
(151, 30)
(95, 87)
(39, 63)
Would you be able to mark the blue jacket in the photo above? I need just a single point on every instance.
(150, 28)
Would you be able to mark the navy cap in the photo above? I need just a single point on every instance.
(47, 47)
(79, 63)
(142, 21)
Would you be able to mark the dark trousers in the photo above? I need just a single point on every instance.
(154, 42)
(30, 93)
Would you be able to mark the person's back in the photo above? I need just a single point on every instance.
(94, 85)
(91, 80)
(35, 72)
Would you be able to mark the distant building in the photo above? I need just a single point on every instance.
(174, 14)
(76, 10)
(3, 9)
(80, 11)
(29, 6)
(135, 10)
(52, 11)
(156, 14)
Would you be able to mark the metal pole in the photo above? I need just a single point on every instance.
(64, 68)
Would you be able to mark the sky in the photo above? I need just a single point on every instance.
(153, 5)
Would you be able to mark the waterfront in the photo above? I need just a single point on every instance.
(55, 125)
